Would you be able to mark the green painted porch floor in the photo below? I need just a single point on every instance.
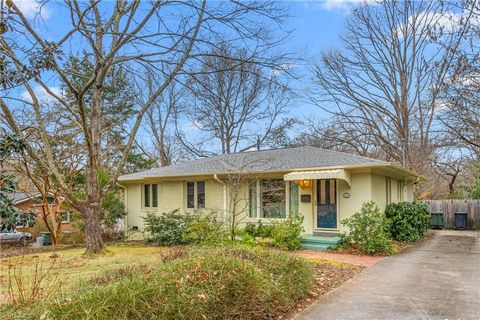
(319, 242)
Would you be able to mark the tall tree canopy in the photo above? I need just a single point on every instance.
(137, 38)
(384, 84)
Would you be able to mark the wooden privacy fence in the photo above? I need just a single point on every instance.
(450, 207)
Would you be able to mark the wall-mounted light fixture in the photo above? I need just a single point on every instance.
(304, 183)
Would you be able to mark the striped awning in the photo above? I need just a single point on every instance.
(317, 175)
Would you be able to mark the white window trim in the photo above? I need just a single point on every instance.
(151, 208)
(259, 204)
(68, 217)
(195, 194)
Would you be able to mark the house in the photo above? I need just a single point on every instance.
(324, 186)
(25, 202)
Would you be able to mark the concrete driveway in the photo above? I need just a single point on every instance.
(440, 279)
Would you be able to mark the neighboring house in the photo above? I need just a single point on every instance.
(32, 201)
(322, 185)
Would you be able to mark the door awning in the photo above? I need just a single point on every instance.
(341, 174)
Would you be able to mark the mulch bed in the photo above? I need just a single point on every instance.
(401, 246)
(328, 275)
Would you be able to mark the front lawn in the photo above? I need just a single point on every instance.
(141, 282)
(71, 268)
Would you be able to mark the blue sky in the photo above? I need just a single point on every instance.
(316, 25)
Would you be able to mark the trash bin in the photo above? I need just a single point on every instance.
(47, 238)
(39, 241)
(461, 221)
(436, 220)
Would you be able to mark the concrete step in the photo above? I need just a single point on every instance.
(324, 240)
(311, 246)
(319, 243)
(325, 234)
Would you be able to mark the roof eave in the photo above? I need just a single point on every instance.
(356, 166)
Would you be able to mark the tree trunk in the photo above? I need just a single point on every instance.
(451, 185)
(93, 230)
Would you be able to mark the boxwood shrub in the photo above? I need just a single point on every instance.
(408, 221)
(368, 230)
(167, 229)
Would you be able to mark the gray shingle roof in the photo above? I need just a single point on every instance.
(257, 161)
(18, 197)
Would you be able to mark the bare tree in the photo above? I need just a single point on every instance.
(161, 122)
(460, 112)
(236, 103)
(159, 36)
(239, 180)
(449, 165)
(337, 135)
(385, 83)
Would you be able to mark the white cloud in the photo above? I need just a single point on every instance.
(345, 6)
(193, 126)
(438, 23)
(42, 95)
(32, 8)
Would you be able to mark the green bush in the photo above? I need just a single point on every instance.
(260, 230)
(207, 283)
(206, 228)
(408, 221)
(167, 229)
(368, 230)
(247, 239)
(286, 234)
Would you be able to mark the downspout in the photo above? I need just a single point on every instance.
(125, 203)
(224, 185)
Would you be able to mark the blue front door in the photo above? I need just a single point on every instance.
(327, 204)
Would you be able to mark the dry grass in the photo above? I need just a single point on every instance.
(74, 267)
(226, 282)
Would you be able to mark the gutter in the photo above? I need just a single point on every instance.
(224, 185)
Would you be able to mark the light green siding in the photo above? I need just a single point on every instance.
(365, 186)
(360, 191)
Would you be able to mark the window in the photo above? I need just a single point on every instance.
(195, 194)
(150, 195)
(65, 216)
(252, 203)
(201, 194)
(399, 191)
(146, 195)
(267, 198)
(388, 190)
(39, 200)
(293, 198)
(273, 196)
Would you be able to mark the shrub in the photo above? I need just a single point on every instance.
(265, 230)
(167, 229)
(247, 239)
(206, 228)
(76, 234)
(286, 234)
(260, 230)
(208, 283)
(408, 221)
(250, 229)
(112, 234)
(368, 230)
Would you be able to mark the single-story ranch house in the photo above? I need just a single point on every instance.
(322, 185)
